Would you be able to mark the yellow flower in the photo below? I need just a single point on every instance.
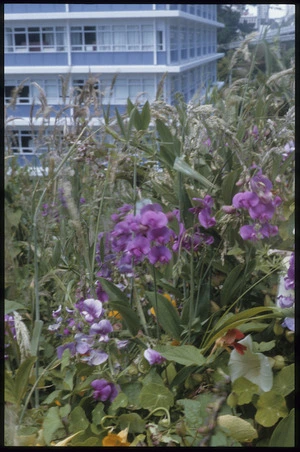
(115, 314)
(116, 440)
(169, 298)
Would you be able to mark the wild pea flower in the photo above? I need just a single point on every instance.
(153, 357)
(91, 309)
(159, 254)
(261, 205)
(203, 210)
(103, 328)
(288, 149)
(104, 390)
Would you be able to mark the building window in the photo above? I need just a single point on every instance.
(108, 38)
(83, 39)
(21, 142)
(192, 42)
(159, 40)
(34, 39)
(174, 44)
(183, 43)
(23, 96)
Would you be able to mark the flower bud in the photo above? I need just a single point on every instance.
(279, 362)
(290, 336)
(278, 330)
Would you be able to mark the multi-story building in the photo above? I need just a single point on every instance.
(61, 47)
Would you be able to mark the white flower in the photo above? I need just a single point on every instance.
(253, 366)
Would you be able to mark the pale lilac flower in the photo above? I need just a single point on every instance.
(91, 309)
(153, 357)
(96, 357)
(103, 390)
(285, 301)
(289, 322)
(70, 346)
(103, 328)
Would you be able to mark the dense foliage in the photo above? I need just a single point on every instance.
(150, 277)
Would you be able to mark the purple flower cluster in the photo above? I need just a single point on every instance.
(141, 236)
(90, 330)
(261, 205)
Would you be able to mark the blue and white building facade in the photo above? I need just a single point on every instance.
(48, 45)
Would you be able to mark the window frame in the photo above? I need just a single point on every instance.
(33, 39)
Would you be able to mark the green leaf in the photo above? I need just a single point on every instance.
(9, 389)
(10, 306)
(284, 433)
(156, 396)
(167, 315)
(232, 284)
(193, 415)
(78, 420)
(187, 355)
(284, 381)
(121, 401)
(133, 390)
(22, 377)
(121, 124)
(56, 253)
(36, 334)
(145, 116)
(270, 407)
(184, 168)
(132, 421)
(245, 390)
(98, 413)
(237, 428)
(51, 424)
(228, 186)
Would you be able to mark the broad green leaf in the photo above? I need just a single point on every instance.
(52, 422)
(284, 381)
(237, 428)
(10, 306)
(132, 421)
(22, 377)
(187, 355)
(167, 139)
(9, 389)
(232, 284)
(167, 315)
(184, 168)
(245, 390)
(78, 420)
(133, 390)
(36, 334)
(136, 118)
(284, 433)
(121, 401)
(270, 407)
(156, 396)
(194, 415)
(98, 413)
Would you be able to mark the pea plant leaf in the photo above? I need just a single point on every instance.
(270, 407)
(156, 396)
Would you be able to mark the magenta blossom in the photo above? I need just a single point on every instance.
(154, 220)
(153, 357)
(139, 246)
(103, 390)
(205, 218)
